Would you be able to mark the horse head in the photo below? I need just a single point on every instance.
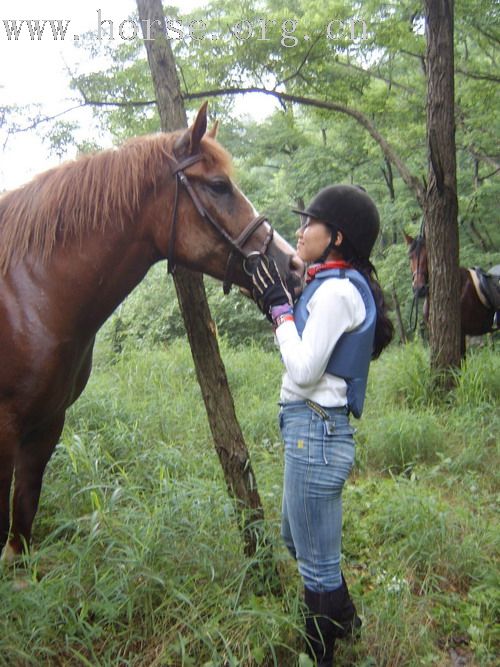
(213, 227)
(417, 253)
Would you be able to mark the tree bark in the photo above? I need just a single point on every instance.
(441, 205)
(229, 442)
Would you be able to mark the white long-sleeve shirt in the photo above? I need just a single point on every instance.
(334, 308)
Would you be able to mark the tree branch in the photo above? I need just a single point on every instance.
(379, 77)
(481, 179)
(389, 153)
(484, 158)
(493, 38)
(478, 76)
(46, 119)
(411, 181)
(304, 60)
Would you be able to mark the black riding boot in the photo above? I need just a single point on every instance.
(349, 623)
(331, 614)
(320, 629)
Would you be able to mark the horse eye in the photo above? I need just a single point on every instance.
(220, 186)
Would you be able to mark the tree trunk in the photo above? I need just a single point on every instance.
(210, 371)
(399, 319)
(441, 206)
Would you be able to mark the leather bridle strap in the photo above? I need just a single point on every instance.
(176, 168)
(237, 245)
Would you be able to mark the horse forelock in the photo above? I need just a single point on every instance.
(416, 245)
(89, 193)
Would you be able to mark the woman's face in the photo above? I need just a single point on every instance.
(313, 238)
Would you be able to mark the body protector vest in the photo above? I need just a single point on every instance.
(351, 356)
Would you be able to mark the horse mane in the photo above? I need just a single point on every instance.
(89, 193)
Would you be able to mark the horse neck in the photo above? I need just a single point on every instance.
(89, 279)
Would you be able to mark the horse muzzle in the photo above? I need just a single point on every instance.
(295, 279)
(421, 291)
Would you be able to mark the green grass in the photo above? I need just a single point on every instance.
(137, 556)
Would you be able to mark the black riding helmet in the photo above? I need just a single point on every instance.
(348, 209)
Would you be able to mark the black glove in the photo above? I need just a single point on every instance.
(268, 290)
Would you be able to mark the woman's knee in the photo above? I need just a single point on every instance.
(321, 577)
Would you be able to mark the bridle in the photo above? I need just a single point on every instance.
(420, 240)
(237, 244)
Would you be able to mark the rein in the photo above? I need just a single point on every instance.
(237, 244)
(414, 313)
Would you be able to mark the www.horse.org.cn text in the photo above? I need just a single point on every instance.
(288, 31)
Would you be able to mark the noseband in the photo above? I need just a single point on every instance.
(237, 244)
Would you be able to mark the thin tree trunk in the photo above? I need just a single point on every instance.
(441, 205)
(229, 443)
(399, 319)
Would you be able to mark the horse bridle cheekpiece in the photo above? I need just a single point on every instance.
(237, 244)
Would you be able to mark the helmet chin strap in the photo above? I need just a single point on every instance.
(325, 254)
(331, 246)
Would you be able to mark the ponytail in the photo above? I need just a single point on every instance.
(384, 328)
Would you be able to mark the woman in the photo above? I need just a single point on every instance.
(326, 341)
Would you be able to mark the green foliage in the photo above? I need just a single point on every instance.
(400, 440)
(60, 137)
(426, 529)
(137, 556)
(404, 379)
(478, 380)
(150, 316)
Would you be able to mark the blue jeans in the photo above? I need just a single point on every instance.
(319, 454)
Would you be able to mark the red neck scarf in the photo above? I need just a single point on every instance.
(316, 268)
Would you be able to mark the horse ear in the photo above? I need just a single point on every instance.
(409, 239)
(199, 128)
(189, 141)
(212, 133)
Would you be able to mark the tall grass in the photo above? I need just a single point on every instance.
(138, 560)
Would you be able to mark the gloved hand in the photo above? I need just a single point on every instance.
(269, 290)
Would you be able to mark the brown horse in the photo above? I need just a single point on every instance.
(477, 315)
(73, 243)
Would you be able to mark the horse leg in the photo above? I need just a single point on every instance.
(6, 473)
(31, 458)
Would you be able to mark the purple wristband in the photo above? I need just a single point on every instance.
(282, 309)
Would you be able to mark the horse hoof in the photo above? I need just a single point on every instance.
(8, 554)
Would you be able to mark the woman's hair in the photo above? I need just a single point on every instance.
(384, 328)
